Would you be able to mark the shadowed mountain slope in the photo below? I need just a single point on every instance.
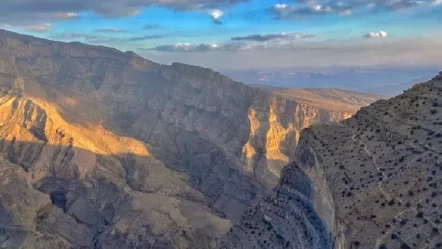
(123, 152)
(372, 181)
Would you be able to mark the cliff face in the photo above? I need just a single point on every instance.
(373, 181)
(116, 151)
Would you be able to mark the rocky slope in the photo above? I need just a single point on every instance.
(372, 181)
(104, 149)
(330, 98)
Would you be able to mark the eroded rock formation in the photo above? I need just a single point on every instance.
(104, 149)
(372, 181)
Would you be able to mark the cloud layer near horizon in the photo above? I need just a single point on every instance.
(304, 8)
(256, 33)
(238, 43)
(411, 52)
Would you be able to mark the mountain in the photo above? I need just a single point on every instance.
(371, 181)
(104, 149)
(329, 98)
(394, 89)
(385, 80)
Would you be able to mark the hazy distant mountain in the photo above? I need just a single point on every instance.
(104, 149)
(329, 98)
(394, 89)
(385, 81)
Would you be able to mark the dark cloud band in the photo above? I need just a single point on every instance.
(20, 12)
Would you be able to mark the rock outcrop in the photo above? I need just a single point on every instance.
(104, 149)
(371, 181)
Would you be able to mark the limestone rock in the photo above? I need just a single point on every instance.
(104, 149)
(372, 181)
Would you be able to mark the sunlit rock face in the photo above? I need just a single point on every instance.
(104, 149)
(372, 181)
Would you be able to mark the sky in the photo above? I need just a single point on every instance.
(244, 34)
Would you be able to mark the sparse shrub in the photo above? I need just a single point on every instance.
(405, 246)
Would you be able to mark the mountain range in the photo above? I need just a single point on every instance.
(370, 181)
(385, 80)
(104, 149)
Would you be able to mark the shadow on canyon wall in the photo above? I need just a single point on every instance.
(114, 201)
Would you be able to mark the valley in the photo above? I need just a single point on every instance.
(104, 149)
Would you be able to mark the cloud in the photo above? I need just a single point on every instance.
(242, 43)
(404, 4)
(66, 15)
(280, 6)
(216, 14)
(110, 30)
(268, 37)
(144, 38)
(72, 36)
(345, 7)
(151, 26)
(26, 11)
(187, 47)
(378, 34)
(40, 28)
(37, 28)
(202, 47)
(283, 11)
(84, 37)
(102, 39)
(317, 54)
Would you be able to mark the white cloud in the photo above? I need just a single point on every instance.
(189, 47)
(378, 34)
(39, 28)
(240, 43)
(320, 8)
(66, 15)
(279, 6)
(346, 7)
(216, 14)
(355, 53)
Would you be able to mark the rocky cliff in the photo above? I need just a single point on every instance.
(104, 149)
(371, 181)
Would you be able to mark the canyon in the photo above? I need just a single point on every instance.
(370, 181)
(104, 149)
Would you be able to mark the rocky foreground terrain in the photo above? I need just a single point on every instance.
(372, 181)
(104, 149)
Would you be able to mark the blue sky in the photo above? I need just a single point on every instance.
(230, 34)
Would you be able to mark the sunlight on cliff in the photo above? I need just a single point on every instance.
(40, 120)
(275, 135)
(248, 150)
